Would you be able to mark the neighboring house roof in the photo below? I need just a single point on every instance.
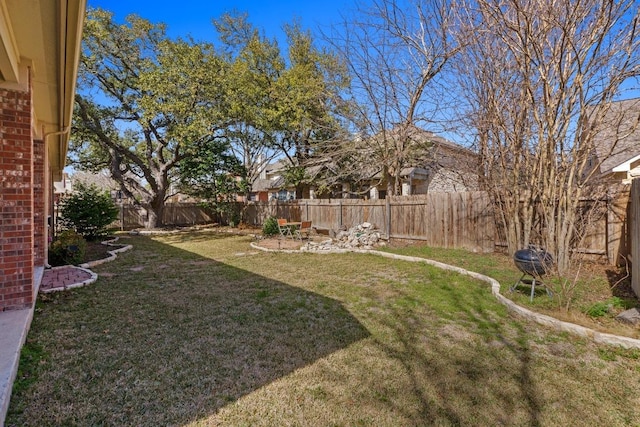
(618, 143)
(438, 152)
(406, 173)
(414, 173)
(277, 166)
(262, 184)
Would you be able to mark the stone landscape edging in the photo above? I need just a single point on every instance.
(113, 254)
(87, 265)
(88, 281)
(543, 319)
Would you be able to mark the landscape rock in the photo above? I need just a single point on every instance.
(362, 236)
(631, 316)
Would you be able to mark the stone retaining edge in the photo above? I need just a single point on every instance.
(543, 319)
(110, 258)
(87, 265)
(90, 280)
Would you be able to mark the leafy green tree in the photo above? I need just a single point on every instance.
(215, 176)
(88, 211)
(308, 103)
(145, 103)
(282, 104)
(255, 64)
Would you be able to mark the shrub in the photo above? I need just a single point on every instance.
(68, 248)
(88, 211)
(602, 308)
(270, 226)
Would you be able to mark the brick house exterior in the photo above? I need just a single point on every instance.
(38, 71)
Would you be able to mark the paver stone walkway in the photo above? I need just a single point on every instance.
(62, 277)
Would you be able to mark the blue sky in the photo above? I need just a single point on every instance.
(193, 17)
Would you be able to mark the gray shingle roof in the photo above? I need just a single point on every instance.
(619, 140)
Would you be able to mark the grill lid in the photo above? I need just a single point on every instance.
(533, 261)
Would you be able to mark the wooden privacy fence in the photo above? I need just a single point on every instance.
(131, 216)
(456, 220)
(450, 220)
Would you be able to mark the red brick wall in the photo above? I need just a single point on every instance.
(16, 200)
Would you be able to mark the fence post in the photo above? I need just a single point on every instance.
(609, 220)
(388, 208)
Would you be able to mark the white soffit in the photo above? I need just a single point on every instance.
(626, 166)
(8, 48)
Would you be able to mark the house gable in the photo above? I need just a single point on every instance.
(617, 146)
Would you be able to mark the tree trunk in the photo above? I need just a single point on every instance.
(155, 213)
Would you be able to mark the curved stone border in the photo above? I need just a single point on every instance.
(177, 230)
(93, 277)
(113, 253)
(87, 265)
(543, 319)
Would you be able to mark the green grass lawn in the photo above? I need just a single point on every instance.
(200, 329)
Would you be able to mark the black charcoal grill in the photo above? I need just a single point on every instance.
(535, 262)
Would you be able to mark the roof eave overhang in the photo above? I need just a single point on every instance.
(40, 48)
(70, 38)
(626, 166)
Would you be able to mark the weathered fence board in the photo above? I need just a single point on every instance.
(131, 216)
(456, 220)
(452, 220)
(634, 225)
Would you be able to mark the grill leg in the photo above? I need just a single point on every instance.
(513, 288)
(533, 288)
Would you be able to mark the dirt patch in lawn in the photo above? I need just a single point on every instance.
(280, 243)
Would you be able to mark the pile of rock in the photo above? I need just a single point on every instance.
(362, 236)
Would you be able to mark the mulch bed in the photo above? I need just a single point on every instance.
(96, 250)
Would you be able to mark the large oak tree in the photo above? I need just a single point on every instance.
(145, 103)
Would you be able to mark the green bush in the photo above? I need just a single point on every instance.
(602, 308)
(88, 211)
(270, 226)
(68, 248)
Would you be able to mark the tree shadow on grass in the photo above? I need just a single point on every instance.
(456, 369)
(171, 342)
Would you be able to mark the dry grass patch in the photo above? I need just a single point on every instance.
(217, 338)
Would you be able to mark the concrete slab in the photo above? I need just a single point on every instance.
(14, 325)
